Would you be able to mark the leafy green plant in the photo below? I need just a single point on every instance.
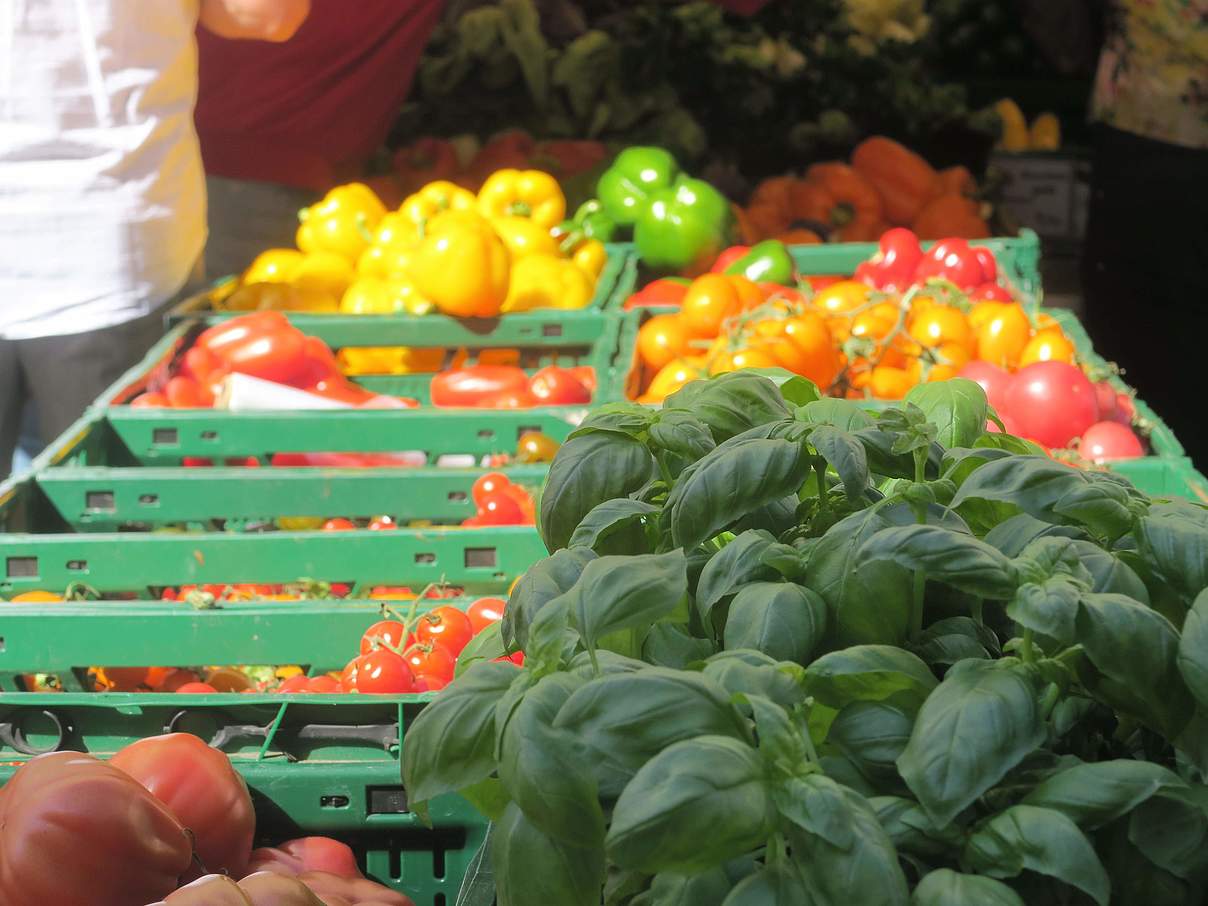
(784, 652)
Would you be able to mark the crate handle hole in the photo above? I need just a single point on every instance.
(527, 429)
(457, 496)
(425, 558)
(481, 557)
(209, 435)
(22, 567)
(77, 566)
(164, 437)
(99, 500)
(148, 499)
(388, 800)
(333, 802)
(551, 330)
(486, 434)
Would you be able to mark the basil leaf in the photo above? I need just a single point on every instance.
(956, 559)
(1171, 829)
(1109, 573)
(617, 593)
(729, 483)
(632, 419)
(588, 470)
(945, 887)
(736, 564)
(731, 403)
(869, 673)
(712, 782)
(845, 455)
(1193, 649)
(912, 830)
(783, 620)
(615, 527)
(451, 742)
(980, 722)
(872, 736)
(956, 406)
(671, 645)
(1135, 650)
(847, 415)
(486, 645)
(1177, 548)
(884, 460)
(748, 672)
(1039, 840)
(546, 579)
(531, 867)
(1016, 533)
(1050, 609)
(779, 884)
(1093, 795)
(625, 719)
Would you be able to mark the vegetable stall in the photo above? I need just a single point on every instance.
(583, 530)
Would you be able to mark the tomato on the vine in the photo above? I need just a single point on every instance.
(533, 446)
(196, 689)
(446, 626)
(554, 386)
(427, 683)
(383, 672)
(383, 634)
(484, 612)
(939, 324)
(430, 659)
(486, 484)
(662, 339)
(325, 685)
(500, 508)
(382, 523)
(296, 683)
(710, 300)
(1002, 337)
(1050, 345)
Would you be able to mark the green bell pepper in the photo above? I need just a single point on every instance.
(594, 222)
(684, 227)
(766, 262)
(625, 187)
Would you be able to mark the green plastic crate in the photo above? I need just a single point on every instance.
(315, 765)
(539, 327)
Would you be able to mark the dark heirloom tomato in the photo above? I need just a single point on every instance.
(202, 789)
(80, 832)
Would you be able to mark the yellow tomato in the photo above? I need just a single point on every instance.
(670, 378)
(1003, 336)
(1048, 346)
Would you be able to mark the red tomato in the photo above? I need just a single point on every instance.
(993, 380)
(484, 612)
(202, 789)
(174, 679)
(586, 375)
(431, 659)
(1052, 402)
(893, 266)
(667, 292)
(523, 500)
(81, 831)
(185, 393)
(296, 683)
(425, 683)
(555, 386)
(126, 679)
(246, 462)
(989, 264)
(339, 524)
(150, 400)
(196, 462)
(990, 292)
(488, 484)
(1008, 423)
(1105, 398)
(383, 672)
(348, 677)
(308, 854)
(382, 523)
(262, 344)
(447, 626)
(323, 685)
(196, 689)
(1126, 410)
(500, 508)
(1105, 441)
(383, 634)
(954, 260)
(509, 399)
(475, 384)
(728, 257)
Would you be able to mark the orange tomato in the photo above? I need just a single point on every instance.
(662, 339)
(672, 377)
(952, 357)
(749, 294)
(802, 344)
(885, 382)
(745, 357)
(876, 325)
(1048, 346)
(35, 597)
(983, 312)
(936, 326)
(1002, 337)
(123, 679)
(837, 300)
(710, 300)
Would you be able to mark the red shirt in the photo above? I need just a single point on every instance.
(311, 111)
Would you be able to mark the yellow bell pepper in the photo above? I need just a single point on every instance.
(591, 257)
(324, 272)
(280, 297)
(524, 237)
(547, 281)
(386, 262)
(461, 265)
(343, 222)
(390, 360)
(436, 198)
(1045, 134)
(397, 229)
(368, 296)
(1014, 134)
(273, 266)
(523, 193)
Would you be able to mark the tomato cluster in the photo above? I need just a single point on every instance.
(510, 387)
(500, 502)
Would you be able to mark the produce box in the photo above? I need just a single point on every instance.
(40, 552)
(545, 327)
(315, 765)
(1046, 191)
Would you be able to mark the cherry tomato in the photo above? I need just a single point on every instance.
(323, 685)
(384, 633)
(802, 344)
(534, 446)
(886, 382)
(837, 301)
(196, 689)
(940, 324)
(201, 788)
(348, 676)
(988, 262)
(894, 264)
(586, 375)
(1105, 398)
(447, 626)
(484, 612)
(668, 292)
(993, 380)
(1052, 402)
(391, 593)
(488, 484)
(1002, 338)
(431, 659)
(950, 357)
(1050, 345)
(339, 524)
(746, 357)
(295, 684)
(1105, 441)
(152, 399)
(710, 300)
(427, 683)
(185, 393)
(383, 672)
(984, 311)
(554, 386)
(991, 292)
(382, 523)
(954, 260)
(500, 508)
(662, 339)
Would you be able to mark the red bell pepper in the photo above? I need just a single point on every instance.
(728, 257)
(261, 344)
(667, 292)
(956, 261)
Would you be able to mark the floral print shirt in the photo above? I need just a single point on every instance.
(1153, 72)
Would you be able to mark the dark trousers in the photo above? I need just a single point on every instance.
(1145, 275)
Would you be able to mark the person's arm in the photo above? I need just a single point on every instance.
(264, 20)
